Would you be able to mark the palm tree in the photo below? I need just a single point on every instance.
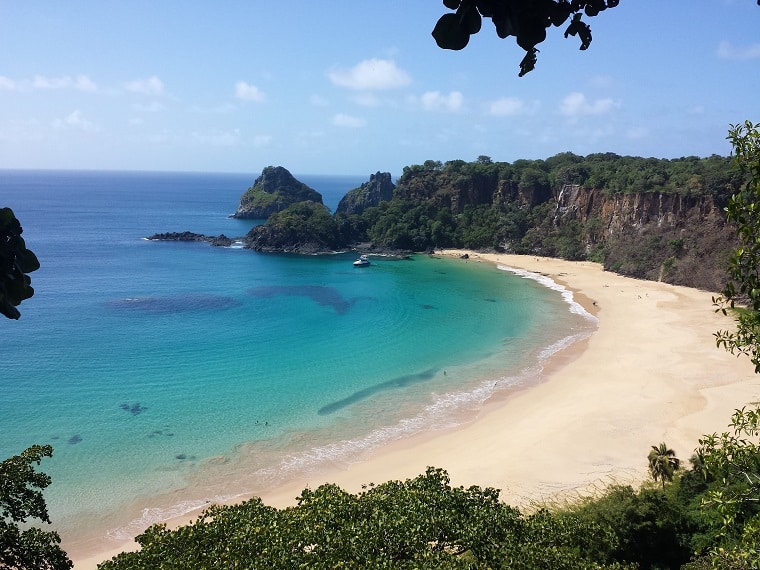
(663, 463)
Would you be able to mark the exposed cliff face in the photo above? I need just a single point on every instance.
(378, 188)
(622, 212)
(273, 191)
(664, 237)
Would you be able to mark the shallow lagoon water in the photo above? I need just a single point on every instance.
(191, 372)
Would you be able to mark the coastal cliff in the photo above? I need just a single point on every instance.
(658, 236)
(653, 219)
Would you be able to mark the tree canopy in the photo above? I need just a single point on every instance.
(744, 272)
(663, 463)
(25, 547)
(16, 261)
(526, 20)
(418, 523)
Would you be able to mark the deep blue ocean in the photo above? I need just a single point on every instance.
(168, 374)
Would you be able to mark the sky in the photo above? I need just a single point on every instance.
(356, 87)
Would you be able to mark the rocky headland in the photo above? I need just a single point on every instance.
(654, 219)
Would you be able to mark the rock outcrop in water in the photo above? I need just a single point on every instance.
(272, 192)
(220, 240)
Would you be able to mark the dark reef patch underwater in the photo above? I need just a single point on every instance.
(320, 294)
(400, 382)
(175, 303)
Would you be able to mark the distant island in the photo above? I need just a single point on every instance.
(272, 192)
(655, 219)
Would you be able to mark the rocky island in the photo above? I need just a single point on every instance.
(272, 192)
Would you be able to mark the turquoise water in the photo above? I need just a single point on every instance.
(189, 373)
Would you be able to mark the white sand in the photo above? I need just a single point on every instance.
(650, 373)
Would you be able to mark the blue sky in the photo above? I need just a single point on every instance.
(355, 87)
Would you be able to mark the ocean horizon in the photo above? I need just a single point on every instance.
(170, 374)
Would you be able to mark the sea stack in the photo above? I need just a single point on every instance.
(273, 191)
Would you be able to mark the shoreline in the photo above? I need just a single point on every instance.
(650, 372)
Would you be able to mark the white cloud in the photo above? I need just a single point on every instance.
(217, 138)
(507, 106)
(248, 92)
(151, 86)
(80, 83)
(343, 120)
(84, 83)
(262, 140)
(436, 101)
(727, 51)
(371, 75)
(576, 104)
(7, 84)
(76, 120)
(152, 107)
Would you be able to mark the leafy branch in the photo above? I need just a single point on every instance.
(527, 20)
(15, 262)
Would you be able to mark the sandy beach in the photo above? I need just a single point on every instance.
(650, 373)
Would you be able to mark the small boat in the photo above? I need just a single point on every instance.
(363, 261)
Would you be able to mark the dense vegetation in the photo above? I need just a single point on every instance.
(426, 523)
(644, 217)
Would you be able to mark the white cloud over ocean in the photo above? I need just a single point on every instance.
(726, 50)
(343, 120)
(371, 75)
(150, 86)
(248, 92)
(577, 104)
(437, 101)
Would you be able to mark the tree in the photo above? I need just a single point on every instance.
(15, 262)
(20, 499)
(527, 20)
(417, 523)
(733, 460)
(744, 272)
(663, 463)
